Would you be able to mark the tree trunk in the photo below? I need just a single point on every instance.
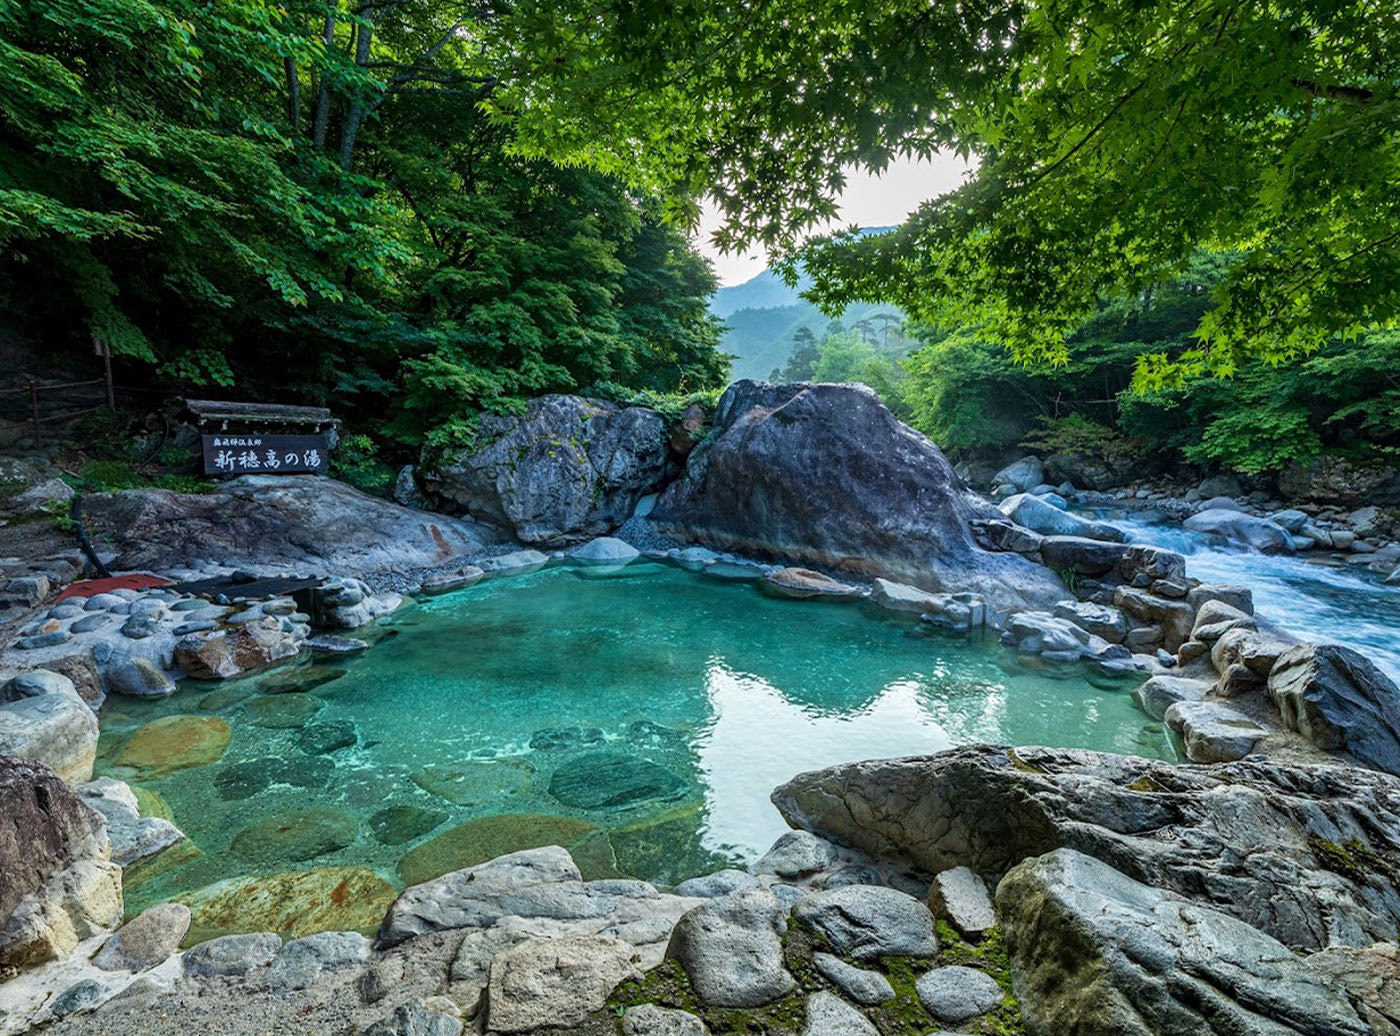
(293, 94)
(356, 115)
(323, 96)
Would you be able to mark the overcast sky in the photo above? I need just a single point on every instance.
(867, 202)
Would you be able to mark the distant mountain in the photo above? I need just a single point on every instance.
(762, 314)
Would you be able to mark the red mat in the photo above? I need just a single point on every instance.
(126, 581)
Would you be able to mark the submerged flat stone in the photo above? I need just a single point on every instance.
(476, 782)
(295, 836)
(300, 679)
(395, 825)
(607, 779)
(295, 903)
(281, 711)
(175, 743)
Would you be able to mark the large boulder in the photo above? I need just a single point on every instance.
(1339, 701)
(1304, 853)
(566, 470)
(824, 476)
(1095, 953)
(57, 886)
(42, 718)
(307, 523)
(1240, 529)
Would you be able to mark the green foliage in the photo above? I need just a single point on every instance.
(1077, 434)
(866, 357)
(1112, 140)
(356, 461)
(110, 476)
(306, 202)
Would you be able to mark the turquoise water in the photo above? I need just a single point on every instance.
(644, 718)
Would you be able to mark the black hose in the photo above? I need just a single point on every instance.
(83, 540)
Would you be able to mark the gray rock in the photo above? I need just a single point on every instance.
(1213, 732)
(79, 997)
(300, 962)
(1255, 651)
(695, 558)
(1216, 618)
(1021, 475)
(867, 922)
(1043, 517)
(566, 470)
(605, 550)
(830, 480)
(1082, 555)
(1175, 617)
(467, 575)
(796, 854)
(1254, 839)
(1098, 619)
(1338, 700)
(862, 986)
(829, 1015)
(853, 874)
(278, 522)
(802, 584)
(650, 1020)
(517, 562)
(960, 897)
(787, 894)
(720, 883)
(1160, 693)
(106, 602)
(146, 940)
(90, 623)
(1096, 953)
(406, 492)
(43, 640)
(136, 677)
(232, 954)
(54, 726)
(548, 983)
(419, 1018)
(132, 836)
(732, 949)
(955, 994)
(1236, 527)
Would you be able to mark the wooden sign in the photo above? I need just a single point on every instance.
(253, 453)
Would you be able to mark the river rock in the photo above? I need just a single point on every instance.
(249, 648)
(824, 476)
(295, 836)
(1212, 731)
(1081, 555)
(432, 1016)
(1338, 700)
(651, 1020)
(999, 535)
(797, 854)
(566, 470)
(954, 994)
(232, 954)
(133, 676)
(43, 719)
(1098, 619)
(1175, 617)
(605, 550)
(395, 825)
(1258, 652)
(1256, 839)
(1161, 692)
(862, 986)
(274, 523)
(132, 836)
(486, 838)
(82, 671)
(546, 983)
(146, 940)
(1096, 953)
(720, 883)
(175, 743)
(732, 949)
(1216, 618)
(829, 1015)
(1241, 529)
(515, 563)
(1038, 515)
(802, 584)
(302, 961)
(960, 897)
(868, 922)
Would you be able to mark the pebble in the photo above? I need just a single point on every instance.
(43, 640)
(88, 623)
(862, 986)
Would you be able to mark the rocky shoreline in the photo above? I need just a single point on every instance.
(984, 889)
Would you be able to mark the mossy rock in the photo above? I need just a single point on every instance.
(175, 743)
(294, 903)
(480, 840)
(395, 825)
(151, 803)
(666, 846)
(612, 780)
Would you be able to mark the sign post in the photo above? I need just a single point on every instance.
(244, 453)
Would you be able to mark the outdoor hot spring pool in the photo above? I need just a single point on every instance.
(641, 720)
